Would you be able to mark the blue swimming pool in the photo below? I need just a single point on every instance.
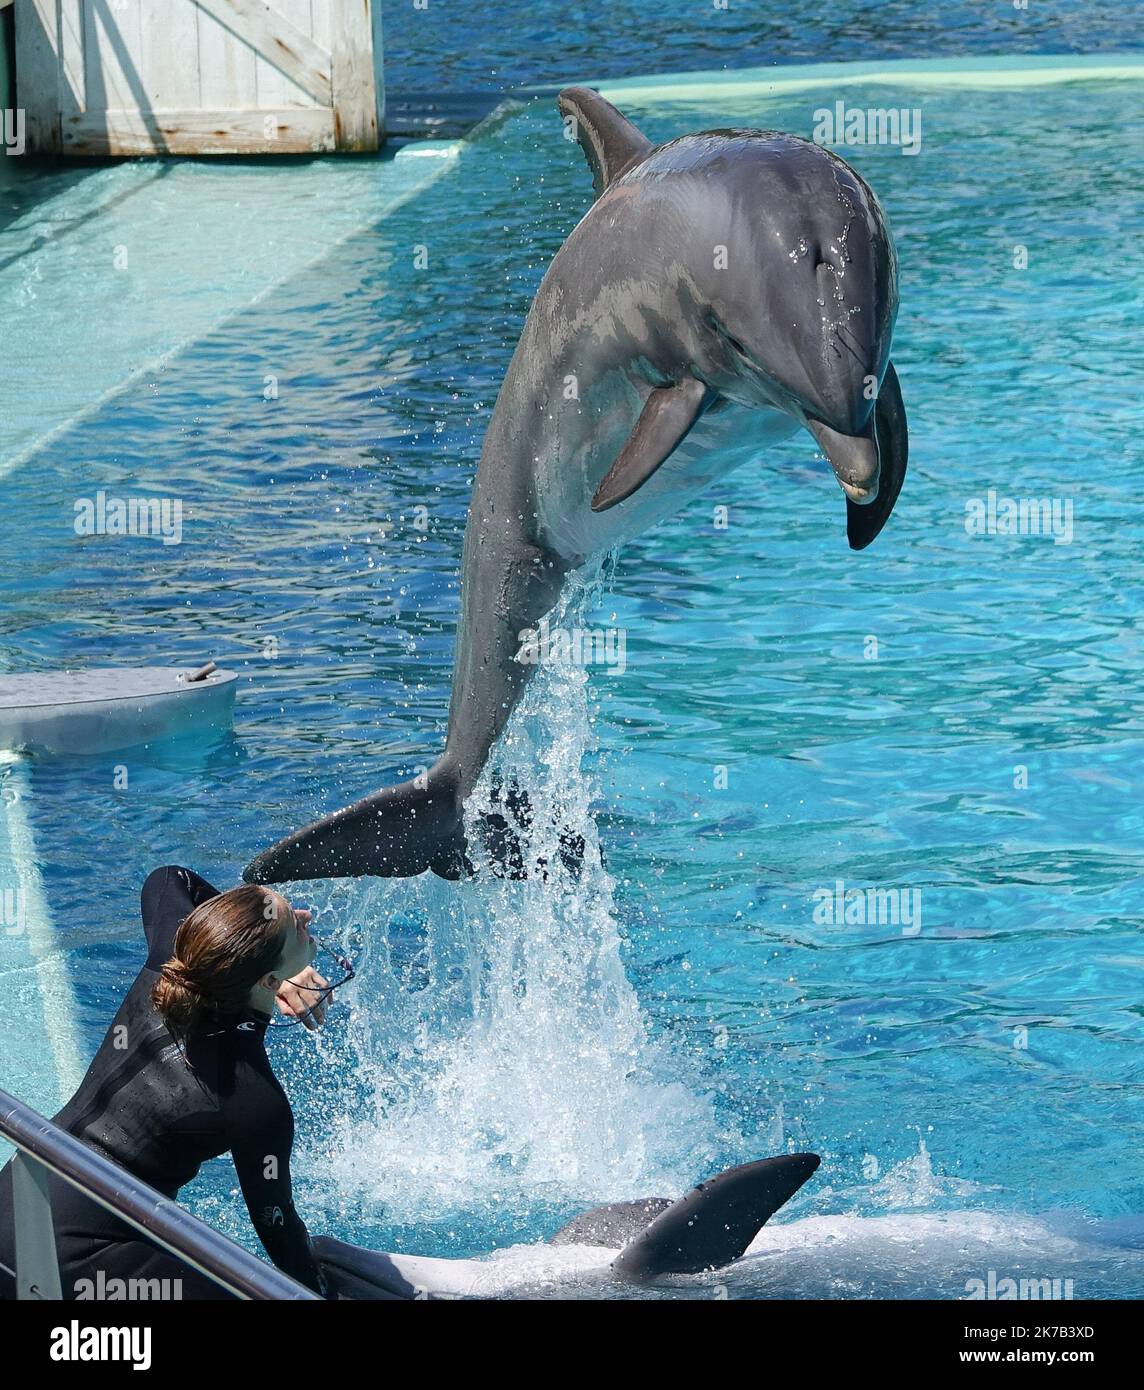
(952, 718)
(448, 47)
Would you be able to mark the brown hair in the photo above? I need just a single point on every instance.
(222, 949)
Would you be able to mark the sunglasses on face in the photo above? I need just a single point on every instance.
(319, 991)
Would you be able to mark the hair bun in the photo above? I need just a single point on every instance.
(222, 949)
(179, 976)
(178, 996)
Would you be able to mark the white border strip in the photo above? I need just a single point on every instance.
(993, 73)
(50, 962)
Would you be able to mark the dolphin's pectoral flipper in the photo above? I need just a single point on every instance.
(375, 1277)
(611, 144)
(397, 832)
(864, 523)
(716, 1222)
(667, 416)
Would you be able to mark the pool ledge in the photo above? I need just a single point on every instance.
(1002, 72)
(110, 279)
(40, 1045)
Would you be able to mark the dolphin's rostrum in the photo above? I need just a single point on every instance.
(724, 290)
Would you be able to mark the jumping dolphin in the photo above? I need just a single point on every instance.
(709, 1228)
(724, 290)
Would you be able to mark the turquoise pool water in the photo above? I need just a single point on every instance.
(443, 47)
(510, 1054)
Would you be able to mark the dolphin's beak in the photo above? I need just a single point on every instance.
(871, 465)
(854, 458)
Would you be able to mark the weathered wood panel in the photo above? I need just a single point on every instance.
(112, 49)
(38, 73)
(277, 87)
(356, 117)
(289, 130)
(73, 75)
(279, 43)
(169, 55)
(228, 71)
(138, 77)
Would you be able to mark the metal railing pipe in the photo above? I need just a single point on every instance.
(142, 1207)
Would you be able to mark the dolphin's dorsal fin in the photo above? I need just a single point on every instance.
(716, 1222)
(611, 144)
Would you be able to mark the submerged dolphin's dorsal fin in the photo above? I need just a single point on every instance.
(611, 144)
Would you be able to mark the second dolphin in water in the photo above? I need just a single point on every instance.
(725, 290)
(706, 1230)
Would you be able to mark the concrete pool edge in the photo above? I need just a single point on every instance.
(32, 946)
(430, 158)
(993, 73)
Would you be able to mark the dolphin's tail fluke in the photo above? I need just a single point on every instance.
(397, 832)
(716, 1222)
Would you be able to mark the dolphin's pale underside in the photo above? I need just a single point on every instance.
(707, 1229)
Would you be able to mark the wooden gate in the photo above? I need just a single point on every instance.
(137, 77)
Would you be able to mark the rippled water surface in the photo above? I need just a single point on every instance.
(952, 714)
(443, 47)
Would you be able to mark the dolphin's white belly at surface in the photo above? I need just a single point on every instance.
(637, 1241)
(724, 439)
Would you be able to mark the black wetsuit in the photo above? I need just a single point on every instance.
(161, 1114)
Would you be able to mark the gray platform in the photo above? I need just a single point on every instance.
(98, 711)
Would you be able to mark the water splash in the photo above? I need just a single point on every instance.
(500, 1051)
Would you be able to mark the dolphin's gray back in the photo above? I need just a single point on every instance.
(708, 1228)
(611, 1226)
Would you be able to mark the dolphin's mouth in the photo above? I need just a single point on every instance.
(861, 495)
(853, 457)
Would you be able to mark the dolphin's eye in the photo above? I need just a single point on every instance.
(737, 345)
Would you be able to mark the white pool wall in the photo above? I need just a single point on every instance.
(993, 73)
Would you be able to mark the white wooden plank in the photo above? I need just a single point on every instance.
(169, 44)
(292, 130)
(275, 87)
(112, 56)
(321, 23)
(73, 78)
(227, 68)
(37, 74)
(377, 11)
(275, 38)
(354, 94)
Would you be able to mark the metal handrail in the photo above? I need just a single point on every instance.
(162, 1220)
